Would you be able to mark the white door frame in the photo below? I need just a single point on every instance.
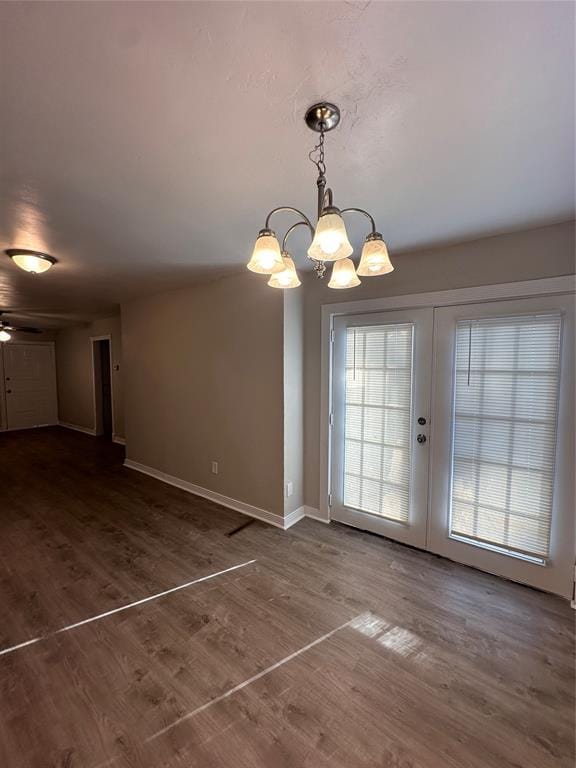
(104, 337)
(3, 404)
(413, 531)
(543, 287)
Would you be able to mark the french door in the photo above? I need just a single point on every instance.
(502, 471)
(453, 431)
(381, 414)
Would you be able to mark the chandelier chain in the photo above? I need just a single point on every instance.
(318, 151)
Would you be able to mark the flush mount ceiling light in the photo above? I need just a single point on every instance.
(329, 237)
(31, 261)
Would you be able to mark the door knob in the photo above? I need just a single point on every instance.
(8, 391)
(421, 438)
(421, 421)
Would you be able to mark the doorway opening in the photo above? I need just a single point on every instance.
(103, 405)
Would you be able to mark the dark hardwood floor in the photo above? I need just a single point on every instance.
(334, 648)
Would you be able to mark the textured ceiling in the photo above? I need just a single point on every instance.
(142, 144)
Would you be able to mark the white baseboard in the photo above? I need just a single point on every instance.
(293, 517)
(85, 430)
(225, 501)
(34, 426)
(118, 439)
(315, 514)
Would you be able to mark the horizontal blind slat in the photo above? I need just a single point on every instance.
(506, 383)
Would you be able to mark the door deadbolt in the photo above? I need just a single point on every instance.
(421, 438)
(421, 421)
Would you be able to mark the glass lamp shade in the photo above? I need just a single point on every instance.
(35, 263)
(4, 335)
(288, 278)
(343, 275)
(375, 259)
(330, 241)
(266, 258)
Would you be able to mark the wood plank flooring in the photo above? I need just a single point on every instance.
(334, 648)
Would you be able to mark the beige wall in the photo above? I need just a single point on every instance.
(526, 255)
(74, 373)
(204, 382)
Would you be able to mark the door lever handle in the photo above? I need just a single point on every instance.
(421, 438)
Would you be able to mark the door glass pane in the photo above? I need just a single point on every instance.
(378, 405)
(504, 431)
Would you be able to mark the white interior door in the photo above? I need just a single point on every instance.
(502, 463)
(30, 385)
(381, 389)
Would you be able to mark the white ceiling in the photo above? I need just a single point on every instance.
(143, 144)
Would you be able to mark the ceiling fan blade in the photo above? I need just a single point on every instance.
(24, 329)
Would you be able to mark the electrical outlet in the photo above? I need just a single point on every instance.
(214, 467)
(289, 489)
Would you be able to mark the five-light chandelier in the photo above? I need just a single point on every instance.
(329, 237)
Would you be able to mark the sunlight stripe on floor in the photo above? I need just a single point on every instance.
(124, 607)
(250, 680)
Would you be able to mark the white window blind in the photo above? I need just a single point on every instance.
(378, 404)
(505, 422)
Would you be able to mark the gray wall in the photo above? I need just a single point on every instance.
(204, 382)
(75, 377)
(293, 397)
(526, 255)
(214, 371)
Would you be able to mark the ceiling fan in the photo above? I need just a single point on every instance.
(6, 328)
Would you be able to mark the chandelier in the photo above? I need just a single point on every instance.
(329, 237)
